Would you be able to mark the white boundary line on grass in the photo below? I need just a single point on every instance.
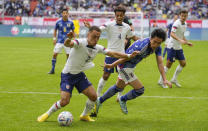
(51, 93)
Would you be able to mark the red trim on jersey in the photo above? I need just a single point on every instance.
(56, 105)
(77, 42)
(174, 27)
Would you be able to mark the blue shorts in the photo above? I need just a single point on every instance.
(110, 60)
(68, 81)
(172, 54)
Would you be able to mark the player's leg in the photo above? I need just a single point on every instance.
(92, 97)
(57, 49)
(65, 98)
(106, 75)
(84, 86)
(66, 91)
(182, 64)
(67, 51)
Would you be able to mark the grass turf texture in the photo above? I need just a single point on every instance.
(24, 63)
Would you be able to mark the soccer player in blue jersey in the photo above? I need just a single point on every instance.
(126, 70)
(169, 27)
(63, 26)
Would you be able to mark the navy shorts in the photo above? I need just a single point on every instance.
(110, 60)
(172, 54)
(68, 81)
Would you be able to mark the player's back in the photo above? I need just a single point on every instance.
(145, 50)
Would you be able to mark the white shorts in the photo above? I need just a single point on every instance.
(167, 41)
(126, 74)
(59, 46)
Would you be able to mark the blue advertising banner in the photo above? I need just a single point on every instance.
(47, 31)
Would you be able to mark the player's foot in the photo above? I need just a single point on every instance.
(43, 117)
(96, 108)
(51, 72)
(175, 82)
(162, 85)
(123, 106)
(86, 118)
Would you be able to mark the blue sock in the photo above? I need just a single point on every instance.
(109, 93)
(132, 94)
(53, 64)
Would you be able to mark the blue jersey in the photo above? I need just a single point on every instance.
(63, 27)
(169, 27)
(145, 50)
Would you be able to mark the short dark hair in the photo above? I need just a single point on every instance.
(96, 28)
(184, 11)
(120, 9)
(159, 32)
(64, 9)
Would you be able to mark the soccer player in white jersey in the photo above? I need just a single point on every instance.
(63, 26)
(174, 48)
(82, 52)
(117, 32)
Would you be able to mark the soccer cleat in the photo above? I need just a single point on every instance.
(43, 117)
(175, 82)
(162, 85)
(86, 118)
(51, 72)
(123, 106)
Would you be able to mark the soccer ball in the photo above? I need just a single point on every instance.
(65, 118)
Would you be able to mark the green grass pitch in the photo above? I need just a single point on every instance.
(26, 91)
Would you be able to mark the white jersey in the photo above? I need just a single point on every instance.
(116, 35)
(81, 56)
(179, 30)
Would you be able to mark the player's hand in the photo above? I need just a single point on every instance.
(166, 82)
(183, 42)
(87, 24)
(189, 44)
(108, 65)
(134, 54)
(70, 35)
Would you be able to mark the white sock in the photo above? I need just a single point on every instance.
(101, 84)
(166, 70)
(89, 106)
(119, 94)
(54, 108)
(177, 71)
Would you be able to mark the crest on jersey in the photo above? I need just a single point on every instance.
(67, 86)
(68, 25)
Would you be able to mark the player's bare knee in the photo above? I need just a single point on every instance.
(106, 76)
(64, 102)
(183, 64)
(93, 97)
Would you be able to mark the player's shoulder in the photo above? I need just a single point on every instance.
(81, 41)
(143, 42)
(177, 22)
(59, 20)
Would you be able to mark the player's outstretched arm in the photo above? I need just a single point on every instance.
(114, 64)
(122, 55)
(68, 42)
(162, 71)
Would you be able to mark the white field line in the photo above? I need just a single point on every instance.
(51, 93)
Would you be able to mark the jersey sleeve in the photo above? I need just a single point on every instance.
(56, 26)
(129, 32)
(105, 27)
(175, 26)
(101, 49)
(72, 26)
(158, 51)
(78, 42)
